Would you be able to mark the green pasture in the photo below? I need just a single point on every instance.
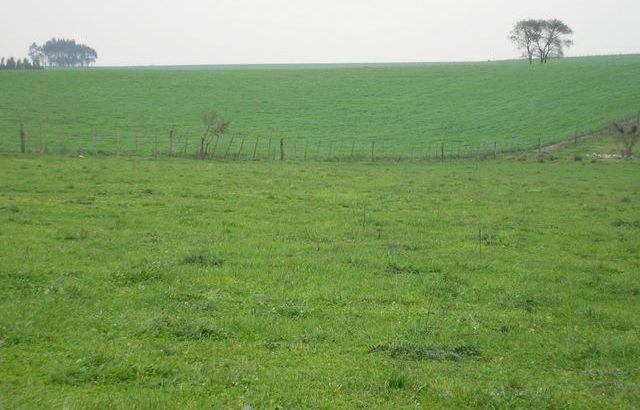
(174, 283)
(327, 111)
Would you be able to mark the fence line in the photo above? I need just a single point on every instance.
(234, 146)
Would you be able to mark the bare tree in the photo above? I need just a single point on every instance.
(553, 40)
(628, 138)
(543, 39)
(526, 35)
(214, 128)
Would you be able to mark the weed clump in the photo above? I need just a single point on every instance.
(145, 272)
(399, 350)
(203, 260)
(394, 268)
(180, 329)
(627, 224)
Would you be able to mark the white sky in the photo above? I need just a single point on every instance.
(141, 32)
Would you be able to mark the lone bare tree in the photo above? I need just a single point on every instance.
(542, 39)
(214, 128)
(628, 138)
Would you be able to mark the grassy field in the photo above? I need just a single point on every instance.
(146, 283)
(406, 109)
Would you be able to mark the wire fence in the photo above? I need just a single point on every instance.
(233, 145)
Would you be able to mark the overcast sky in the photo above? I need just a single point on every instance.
(143, 32)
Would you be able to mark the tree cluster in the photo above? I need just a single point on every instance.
(541, 39)
(12, 63)
(63, 53)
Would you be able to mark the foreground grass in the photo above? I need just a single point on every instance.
(175, 283)
(405, 109)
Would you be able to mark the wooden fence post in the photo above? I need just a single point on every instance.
(23, 147)
(155, 143)
(170, 147)
(241, 145)
(229, 147)
(281, 149)
(40, 146)
(117, 143)
(255, 148)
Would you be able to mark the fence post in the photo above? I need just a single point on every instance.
(373, 151)
(22, 139)
(269, 149)
(229, 147)
(155, 143)
(255, 148)
(442, 151)
(170, 147)
(495, 149)
(40, 146)
(281, 149)
(241, 145)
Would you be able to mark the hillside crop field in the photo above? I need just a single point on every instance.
(406, 109)
(174, 283)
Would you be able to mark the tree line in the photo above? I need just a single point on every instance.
(541, 39)
(12, 63)
(53, 53)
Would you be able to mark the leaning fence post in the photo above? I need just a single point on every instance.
(281, 149)
(241, 144)
(23, 147)
(229, 147)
